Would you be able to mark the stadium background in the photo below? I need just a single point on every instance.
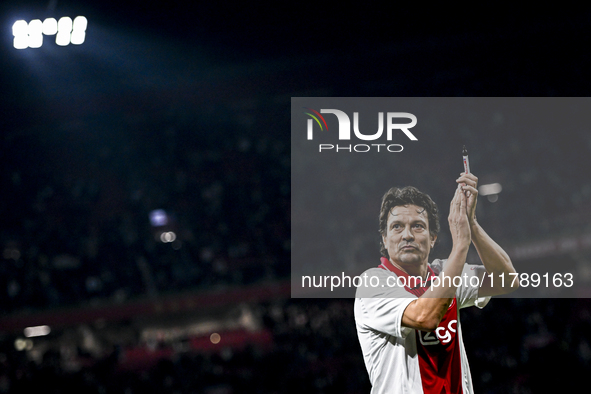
(186, 108)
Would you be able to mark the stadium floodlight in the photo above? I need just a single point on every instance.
(79, 30)
(20, 28)
(49, 26)
(80, 23)
(66, 31)
(64, 28)
(35, 33)
(20, 31)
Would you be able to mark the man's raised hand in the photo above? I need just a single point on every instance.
(469, 185)
(459, 225)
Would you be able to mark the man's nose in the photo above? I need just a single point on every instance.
(407, 234)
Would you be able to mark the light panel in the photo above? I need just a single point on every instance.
(66, 31)
(49, 26)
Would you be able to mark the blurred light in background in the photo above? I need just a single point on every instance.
(23, 344)
(37, 331)
(215, 338)
(168, 236)
(11, 253)
(30, 35)
(158, 217)
(491, 190)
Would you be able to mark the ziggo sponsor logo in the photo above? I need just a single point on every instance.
(442, 334)
(344, 133)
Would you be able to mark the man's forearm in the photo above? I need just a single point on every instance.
(493, 257)
(453, 268)
(426, 312)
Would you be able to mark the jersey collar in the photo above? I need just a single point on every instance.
(388, 266)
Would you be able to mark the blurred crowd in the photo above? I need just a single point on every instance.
(76, 208)
(514, 346)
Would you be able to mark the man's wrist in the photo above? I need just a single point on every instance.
(460, 249)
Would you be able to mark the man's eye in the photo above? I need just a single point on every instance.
(395, 226)
(419, 226)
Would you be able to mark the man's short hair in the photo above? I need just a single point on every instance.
(408, 195)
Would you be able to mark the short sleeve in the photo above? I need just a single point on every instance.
(380, 307)
(467, 292)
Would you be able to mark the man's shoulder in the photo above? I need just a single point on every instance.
(371, 282)
(380, 283)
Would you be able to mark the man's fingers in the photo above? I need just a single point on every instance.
(469, 175)
(455, 202)
(455, 197)
(468, 179)
(470, 189)
(462, 202)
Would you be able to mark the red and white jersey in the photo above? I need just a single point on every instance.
(404, 360)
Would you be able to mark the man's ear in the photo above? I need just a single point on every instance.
(433, 239)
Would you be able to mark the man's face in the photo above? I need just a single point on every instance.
(407, 237)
